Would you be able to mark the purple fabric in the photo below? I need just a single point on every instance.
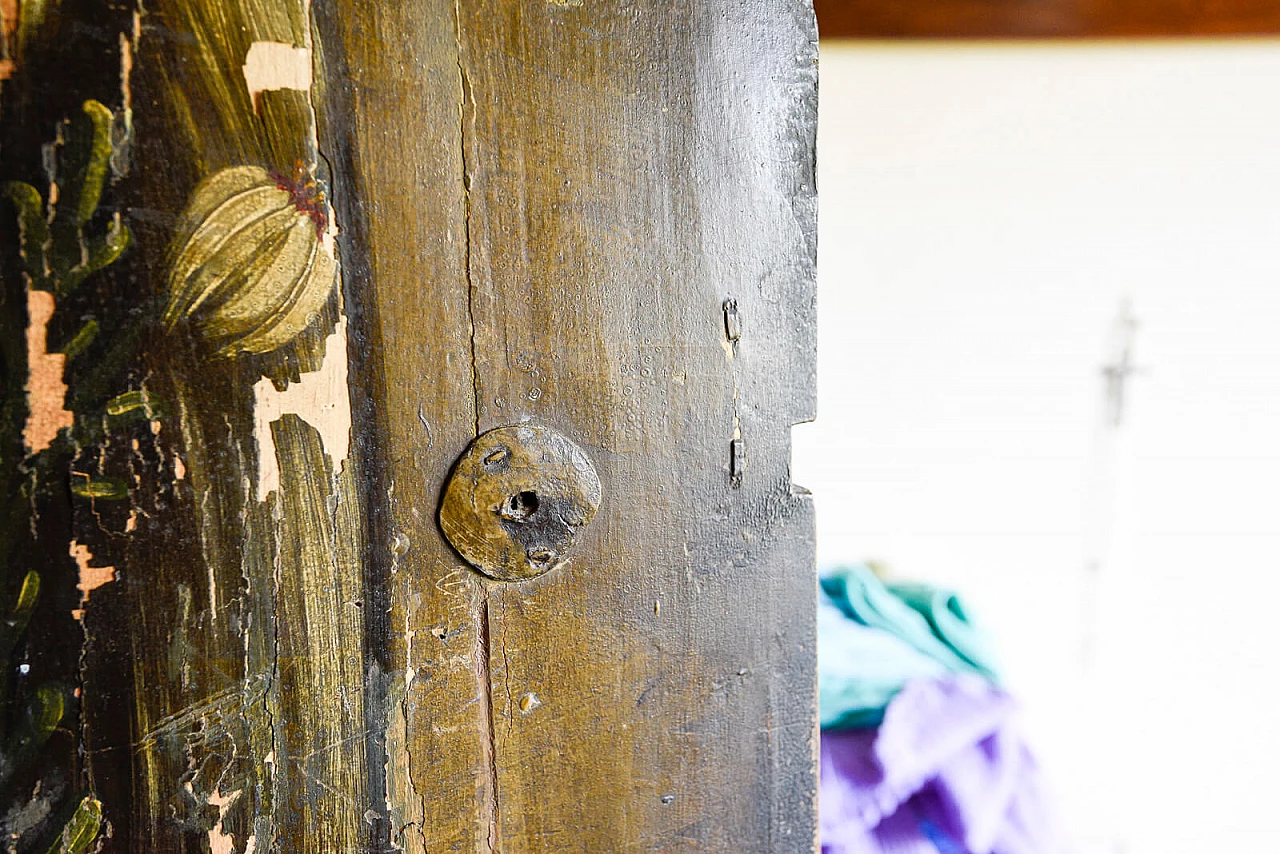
(945, 773)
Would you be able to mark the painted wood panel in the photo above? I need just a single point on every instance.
(268, 269)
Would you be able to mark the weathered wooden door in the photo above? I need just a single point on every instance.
(269, 270)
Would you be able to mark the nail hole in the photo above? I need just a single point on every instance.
(520, 506)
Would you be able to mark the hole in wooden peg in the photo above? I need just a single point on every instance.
(519, 507)
(540, 558)
(516, 500)
(496, 460)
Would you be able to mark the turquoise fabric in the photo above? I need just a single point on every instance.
(951, 624)
(860, 669)
(873, 638)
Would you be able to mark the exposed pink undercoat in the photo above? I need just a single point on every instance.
(46, 392)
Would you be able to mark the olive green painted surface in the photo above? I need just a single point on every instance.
(215, 514)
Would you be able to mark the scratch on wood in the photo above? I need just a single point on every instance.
(229, 703)
(466, 112)
(406, 806)
(46, 391)
(484, 676)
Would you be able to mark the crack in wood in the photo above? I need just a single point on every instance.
(490, 753)
(484, 675)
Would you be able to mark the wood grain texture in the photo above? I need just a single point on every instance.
(1088, 19)
(551, 204)
(391, 128)
(629, 168)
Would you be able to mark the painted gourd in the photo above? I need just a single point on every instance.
(252, 263)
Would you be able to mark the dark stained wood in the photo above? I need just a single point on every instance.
(555, 201)
(1058, 19)
(629, 169)
(218, 625)
(392, 127)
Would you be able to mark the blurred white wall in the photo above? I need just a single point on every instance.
(985, 211)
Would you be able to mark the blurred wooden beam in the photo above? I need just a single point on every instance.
(1045, 19)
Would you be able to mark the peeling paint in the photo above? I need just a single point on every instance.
(320, 398)
(46, 391)
(122, 132)
(91, 577)
(269, 66)
(126, 69)
(220, 841)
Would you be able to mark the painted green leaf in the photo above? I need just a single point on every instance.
(43, 714)
(57, 253)
(95, 168)
(136, 402)
(82, 340)
(32, 228)
(24, 606)
(103, 489)
(81, 830)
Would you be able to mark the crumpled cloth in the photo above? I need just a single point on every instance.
(946, 772)
(949, 621)
(873, 638)
(860, 669)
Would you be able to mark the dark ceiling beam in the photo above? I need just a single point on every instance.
(1045, 19)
